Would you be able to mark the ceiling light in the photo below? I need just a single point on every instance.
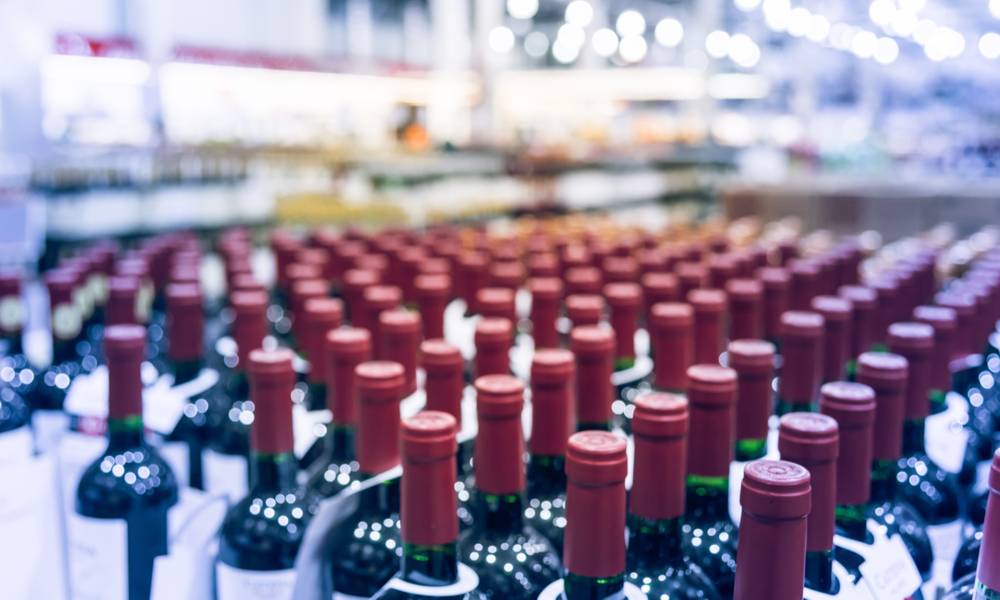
(798, 21)
(579, 13)
(501, 39)
(522, 9)
(669, 32)
(604, 42)
(717, 43)
(632, 48)
(630, 22)
(881, 12)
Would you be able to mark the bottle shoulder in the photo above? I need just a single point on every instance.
(683, 581)
(933, 492)
(510, 564)
(124, 480)
(14, 412)
(264, 530)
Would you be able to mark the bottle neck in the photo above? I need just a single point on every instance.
(125, 432)
(654, 543)
(13, 342)
(499, 512)
(708, 497)
(339, 442)
(852, 520)
(546, 474)
(430, 565)
(883, 481)
(63, 351)
(186, 370)
(577, 587)
(913, 437)
(819, 572)
(273, 471)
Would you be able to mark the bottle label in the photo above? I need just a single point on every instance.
(177, 456)
(49, 427)
(945, 436)
(16, 446)
(467, 582)
(98, 558)
(225, 474)
(240, 584)
(76, 452)
(946, 540)
(554, 591)
(888, 571)
(11, 313)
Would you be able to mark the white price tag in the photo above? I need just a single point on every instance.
(87, 395)
(240, 584)
(225, 475)
(945, 436)
(98, 558)
(177, 456)
(888, 570)
(49, 427)
(162, 406)
(308, 426)
(16, 446)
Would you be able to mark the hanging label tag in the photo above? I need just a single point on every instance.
(308, 426)
(49, 427)
(225, 474)
(98, 558)
(888, 570)
(945, 436)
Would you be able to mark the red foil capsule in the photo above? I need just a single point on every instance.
(356, 281)
(499, 449)
(915, 343)
(444, 366)
(690, 276)
(594, 349)
(507, 274)
(944, 321)
(583, 280)
(249, 324)
(965, 327)
(346, 348)
(433, 293)
(473, 274)
(271, 380)
(546, 294)
(803, 283)
(813, 441)
(660, 428)
(721, 268)
(123, 293)
(378, 299)
(596, 466)
(552, 391)
(658, 287)
(380, 390)
(400, 330)
(319, 316)
(584, 309)
(852, 405)
(624, 299)
(836, 314)
(753, 361)
(886, 374)
(776, 302)
(428, 504)
(802, 351)
(712, 398)
(124, 348)
(864, 303)
(493, 338)
(497, 302)
(672, 342)
(709, 307)
(621, 269)
(746, 308)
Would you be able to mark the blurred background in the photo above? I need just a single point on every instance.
(130, 117)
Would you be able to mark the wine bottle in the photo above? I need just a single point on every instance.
(887, 375)
(690, 276)
(546, 295)
(432, 294)
(864, 302)
(497, 302)
(185, 331)
(367, 543)
(584, 309)
(624, 300)
(261, 534)
(226, 470)
(709, 306)
(303, 290)
(594, 551)
(656, 561)
(657, 287)
(776, 499)
(400, 330)
(944, 321)
(355, 282)
(510, 557)
(813, 441)
(493, 338)
(776, 282)
(746, 309)
(672, 344)
(801, 346)
(16, 375)
(921, 482)
(119, 525)
(709, 532)
(594, 347)
(985, 584)
(378, 299)
(836, 313)
(753, 361)
(337, 466)
(318, 316)
(583, 281)
(552, 376)
(473, 274)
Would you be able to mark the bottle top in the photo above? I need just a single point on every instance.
(584, 308)
(440, 356)
(592, 341)
(989, 554)
(660, 427)
(833, 308)
(432, 286)
(805, 437)
(552, 366)
(883, 370)
(773, 278)
(755, 356)
(623, 295)
(660, 415)
(707, 300)
(379, 381)
(271, 380)
(185, 320)
(496, 302)
(596, 459)
(493, 330)
(427, 493)
(744, 290)
(399, 321)
(775, 490)
(711, 385)
(672, 314)
(911, 339)
(801, 324)
(861, 297)
(348, 343)
(546, 288)
(125, 343)
(851, 404)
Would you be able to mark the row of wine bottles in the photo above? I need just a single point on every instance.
(421, 357)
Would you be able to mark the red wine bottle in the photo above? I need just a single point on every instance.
(624, 300)
(594, 551)
(746, 309)
(497, 302)
(552, 376)
(594, 347)
(776, 282)
(584, 309)
(493, 338)
(887, 375)
(709, 307)
(510, 557)
(430, 566)
(709, 532)
(546, 295)
(776, 499)
(400, 330)
(836, 313)
(801, 339)
(119, 525)
(672, 344)
(356, 281)
(378, 299)
(985, 583)
(813, 441)
(261, 534)
(656, 561)
(864, 302)
(367, 543)
(319, 316)
(337, 466)
(657, 287)
(432, 293)
(753, 361)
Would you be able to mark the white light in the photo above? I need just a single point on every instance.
(954, 42)
(776, 14)
(536, 44)
(630, 22)
(604, 42)
(903, 23)
(669, 32)
(572, 35)
(743, 51)
(819, 28)
(747, 5)
(798, 21)
(995, 8)
(886, 50)
(579, 13)
(881, 12)
(841, 35)
(632, 48)
(100, 69)
(924, 31)
(501, 39)
(914, 5)
(989, 45)
(564, 52)
(863, 44)
(522, 9)
(717, 43)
